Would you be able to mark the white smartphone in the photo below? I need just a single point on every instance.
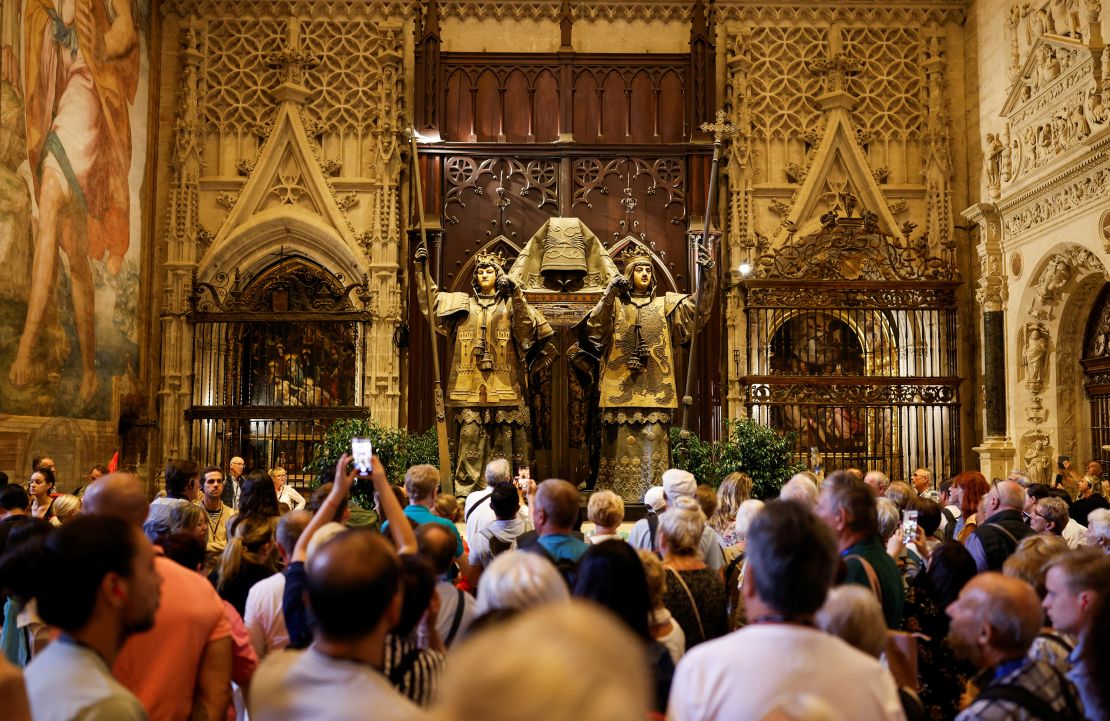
(362, 449)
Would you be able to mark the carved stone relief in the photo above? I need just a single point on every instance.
(1036, 451)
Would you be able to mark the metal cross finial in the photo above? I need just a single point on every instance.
(720, 128)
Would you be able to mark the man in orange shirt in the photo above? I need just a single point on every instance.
(184, 661)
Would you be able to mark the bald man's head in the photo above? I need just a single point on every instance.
(438, 545)
(995, 618)
(117, 494)
(353, 581)
(1011, 495)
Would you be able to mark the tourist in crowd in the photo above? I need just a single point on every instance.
(922, 480)
(219, 515)
(562, 662)
(258, 497)
(800, 488)
(695, 594)
(477, 512)
(264, 618)
(605, 510)
(661, 624)
(66, 507)
(353, 587)
(421, 486)
(287, 497)
(677, 484)
(180, 668)
(185, 518)
(14, 506)
(877, 481)
(95, 472)
(1075, 583)
(611, 575)
(554, 505)
(853, 614)
(941, 676)
(414, 650)
(233, 482)
(734, 571)
(456, 607)
(1028, 563)
(968, 489)
(847, 506)
(950, 510)
(519, 580)
(98, 586)
(995, 538)
(247, 559)
(735, 488)
(40, 488)
(1088, 497)
(24, 633)
(993, 623)
(501, 534)
(447, 506)
(1049, 515)
(1098, 529)
(791, 558)
(1033, 493)
(900, 494)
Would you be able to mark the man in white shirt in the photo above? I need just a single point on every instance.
(101, 589)
(354, 592)
(747, 674)
(264, 616)
(678, 483)
(477, 512)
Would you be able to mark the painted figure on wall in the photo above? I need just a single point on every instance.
(79, 79)
(496, 342)
(630, 337)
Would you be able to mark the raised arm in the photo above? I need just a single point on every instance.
(400, 530)
(340, 488)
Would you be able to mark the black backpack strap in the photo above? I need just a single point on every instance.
(484, 499)
(950, 525)
(408, 661)
(458, 617)
(1022, 697)
(653, 525)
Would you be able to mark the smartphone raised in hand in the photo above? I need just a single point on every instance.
(362, 450)
(909, 527)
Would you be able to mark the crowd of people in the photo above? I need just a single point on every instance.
(845, 598)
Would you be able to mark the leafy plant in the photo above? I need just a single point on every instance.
(396, 448)
(758, 450)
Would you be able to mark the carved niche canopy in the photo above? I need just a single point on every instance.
(291, 286)
(851, 246)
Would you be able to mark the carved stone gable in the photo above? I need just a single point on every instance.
(839, 166)
(288, 178)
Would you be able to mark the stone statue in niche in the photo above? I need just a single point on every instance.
(496, 341)
(1035, 349)
(1037, 460)
(627, 344)
(1055, 276)
(993, 163)
(563, 256)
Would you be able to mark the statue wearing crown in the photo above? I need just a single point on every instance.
(628, 339)
(496, 340)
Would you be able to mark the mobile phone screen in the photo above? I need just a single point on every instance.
(909, 527)
(362, 449)
(524, 472)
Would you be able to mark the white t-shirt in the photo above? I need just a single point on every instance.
(67, 681)
(480, 554)
(265, 617)
(743, 675)
(308, 684)
(481, 517)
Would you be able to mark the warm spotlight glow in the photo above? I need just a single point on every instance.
(745, 268)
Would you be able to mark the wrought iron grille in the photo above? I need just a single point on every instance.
(276, 360)
(852, 342)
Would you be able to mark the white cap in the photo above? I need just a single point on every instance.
(654, 500)
(677, 482)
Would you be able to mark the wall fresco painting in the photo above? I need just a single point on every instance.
(73, 109)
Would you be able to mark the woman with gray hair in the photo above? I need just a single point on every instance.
(1098, 529)
(695, 594)
(519, 580)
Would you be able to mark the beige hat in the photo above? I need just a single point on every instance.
(677, 482)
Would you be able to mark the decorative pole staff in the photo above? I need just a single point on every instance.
(446, 470)
(720, 129)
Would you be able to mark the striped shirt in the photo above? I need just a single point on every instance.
(412, 670)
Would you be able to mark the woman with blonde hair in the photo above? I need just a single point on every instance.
(66, 508)
(246, 559)
(287, 496)
(734, 490)
(606, 511)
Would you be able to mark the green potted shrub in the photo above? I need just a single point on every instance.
(758, 450)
